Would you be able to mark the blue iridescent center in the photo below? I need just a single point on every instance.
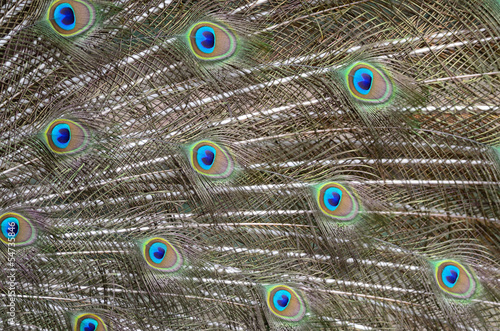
(206, 157)
(332, 198)
(157, 252)
(363, 79)
(64, 16)
(281, 299)
(61, 135)
(88, 324)
(10, 227)
(205, 39)
(450, 275)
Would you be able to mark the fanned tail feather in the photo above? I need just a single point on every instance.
(250, 165)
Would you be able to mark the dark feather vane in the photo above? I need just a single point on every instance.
(249, 165)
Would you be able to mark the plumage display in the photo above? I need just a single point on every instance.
(250, 165)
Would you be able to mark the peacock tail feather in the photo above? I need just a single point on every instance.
(250, 165)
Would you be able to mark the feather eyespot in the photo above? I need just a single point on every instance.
(454, 279)
(89, 322)
(368, 84)
(66, 137)
(335, 201)
(211, 42)
(161, 255)
(71, 17)
(17, 230)
(285, 303)
(209, 159)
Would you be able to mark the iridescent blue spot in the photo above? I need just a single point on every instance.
(205, 39)
(332, 198)
(157, 252)
(450, 275)
(10, 227)
(281, 299)
(61, 135)
(206, 157)
(362, 80)
(64, 16)
(88, 324)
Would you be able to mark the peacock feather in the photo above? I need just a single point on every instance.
(250, 165)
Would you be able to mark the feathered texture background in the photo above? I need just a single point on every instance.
(280, 116)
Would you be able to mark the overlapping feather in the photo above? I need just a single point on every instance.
(423, 165)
